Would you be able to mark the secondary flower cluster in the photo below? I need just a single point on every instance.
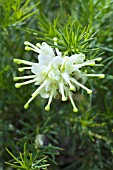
(55, 73)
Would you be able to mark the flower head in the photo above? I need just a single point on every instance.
(55, 73)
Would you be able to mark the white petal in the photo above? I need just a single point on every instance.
(48, 86)
(47, 50)
(44, 94)
(76, 59)
(57, 61)
(54, 74)
(44, 59)
(37, 69)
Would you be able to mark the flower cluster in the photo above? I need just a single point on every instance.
(55, 73)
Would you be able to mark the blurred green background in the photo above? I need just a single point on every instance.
(71, 141)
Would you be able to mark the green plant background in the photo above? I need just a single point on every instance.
(72, 141)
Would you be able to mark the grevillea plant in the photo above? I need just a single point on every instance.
(55, 73)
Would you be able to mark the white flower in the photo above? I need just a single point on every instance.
(55, 74)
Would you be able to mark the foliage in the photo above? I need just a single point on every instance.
(59, 138)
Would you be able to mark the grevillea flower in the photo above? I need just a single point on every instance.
(55, 73)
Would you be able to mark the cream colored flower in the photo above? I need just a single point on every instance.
(55, 74)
